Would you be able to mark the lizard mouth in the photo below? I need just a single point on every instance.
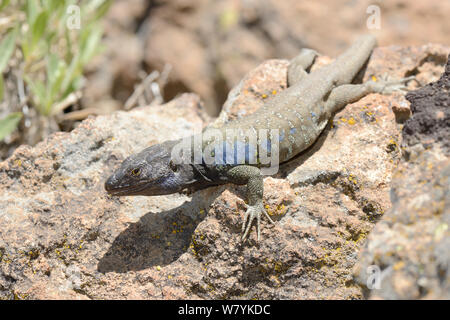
(143, 188)
(124, 190)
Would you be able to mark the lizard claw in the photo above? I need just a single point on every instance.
(386, 86)
(253, 212)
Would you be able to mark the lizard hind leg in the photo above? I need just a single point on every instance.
(387, 86)
(349, 93)
(298, 66)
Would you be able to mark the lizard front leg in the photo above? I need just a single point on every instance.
(251, 176)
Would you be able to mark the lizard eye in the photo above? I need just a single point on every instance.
(173, 166)
(136, 172)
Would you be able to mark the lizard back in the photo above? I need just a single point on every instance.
(299, 113)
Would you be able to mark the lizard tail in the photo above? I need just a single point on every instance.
(355, 56)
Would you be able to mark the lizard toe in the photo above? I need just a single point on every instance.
(254, 212)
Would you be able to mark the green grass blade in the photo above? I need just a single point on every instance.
(31, 11)
(3, 4)
(39, 27)
(102, 9)
(90, 44)
(39, 94)
(2, 87)
(7, 48)
(9, 123)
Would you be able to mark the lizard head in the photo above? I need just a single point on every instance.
(150, 172)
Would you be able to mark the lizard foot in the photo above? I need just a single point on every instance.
(386, 86)
(253, 212)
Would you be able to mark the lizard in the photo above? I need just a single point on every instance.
(300, 113)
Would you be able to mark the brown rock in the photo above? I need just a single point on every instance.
(410, 246)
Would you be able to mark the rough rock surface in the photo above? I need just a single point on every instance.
(411, 244)
(63, 237)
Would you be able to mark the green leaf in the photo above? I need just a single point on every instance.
(53, 5)
(102, 9)
(9, 123)
(39, 94)
(39, 27)
(2, 87)
(6, 48)
(69, 53)
(56, 70)
(92, 5)
(78, 83)
(31, 11)
(3, 4)
(25, 50)
(89, 44)
(52, 67)
(72, 72)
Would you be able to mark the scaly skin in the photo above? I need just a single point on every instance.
(299, 113)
